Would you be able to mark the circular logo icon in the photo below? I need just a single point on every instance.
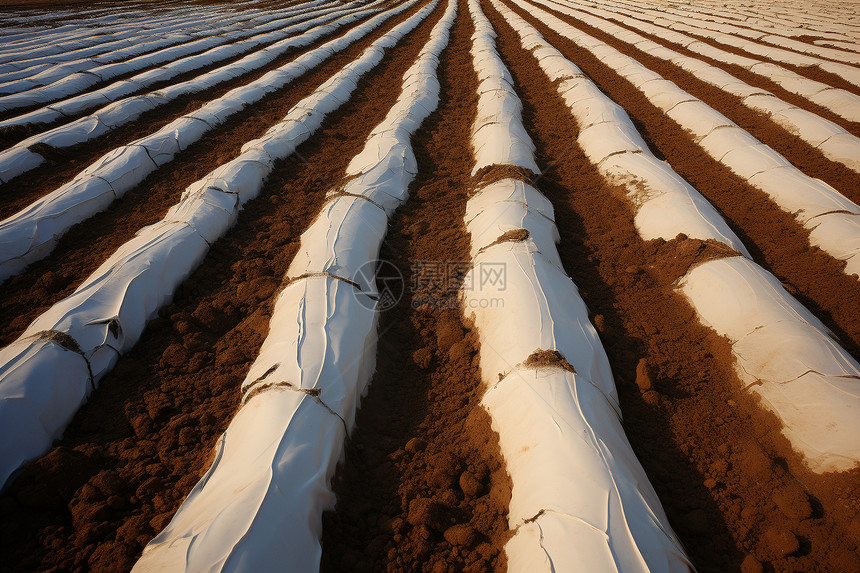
(389, 283)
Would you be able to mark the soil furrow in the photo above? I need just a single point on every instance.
(729, 482)
(86, 245)
(11, 135)
(775, 239)
(423, 486)
(70, 161)
(136, 449)
(801, 154)
(739, 72)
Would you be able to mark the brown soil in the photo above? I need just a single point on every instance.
(137, 448)
(512, 236)
(774, 238)
(731, 485)
(70, 161)
(679, 255)
(85, 246)
(492, 173)
(423, 487)
(547, 359)
(743, 74)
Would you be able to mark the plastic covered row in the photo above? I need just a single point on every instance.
(29, 92)
(105, 316)
(31, 234)
(580, 499)
(849, 73)
(835, 142)
(832, 219)
(226, 32)
(95, 40)
(783, 352)
(778, 33)
(21, 157)
(498, 135)
(768, 35)
(841, 102)
(260, 505)
(807, 379)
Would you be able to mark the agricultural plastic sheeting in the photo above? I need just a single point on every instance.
(738, 299)
(808, 199)
(785, 355)
(107, 313)
(42, 383)
(559, 434)
(102, 67)
(834, 141)
(665, 205)
(839, 101)
(580, 499)
(846, 72)
(67, 85)
(260, 504)
(279, 31)
(31, 233)
(124, 111)
(259, 507)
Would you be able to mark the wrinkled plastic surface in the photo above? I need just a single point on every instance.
(106, 315)
(580, 499)
(786, 356)
(806, 198)
(260, 504)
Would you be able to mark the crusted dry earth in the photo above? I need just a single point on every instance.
(422, 484)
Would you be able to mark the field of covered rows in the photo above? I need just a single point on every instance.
(430, 285)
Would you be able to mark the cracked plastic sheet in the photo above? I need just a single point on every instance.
(260, 504)
(786, 356)
(580, 499)
(106, 315)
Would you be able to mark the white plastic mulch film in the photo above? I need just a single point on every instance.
(20, 158)
(835, 142)
(580, 498)
(31, 234)
(821, 374)
(106, 315)
(259, 507)
(832, 219)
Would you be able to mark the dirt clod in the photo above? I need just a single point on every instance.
(779, 542)
(460, 535)
(548, 359)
